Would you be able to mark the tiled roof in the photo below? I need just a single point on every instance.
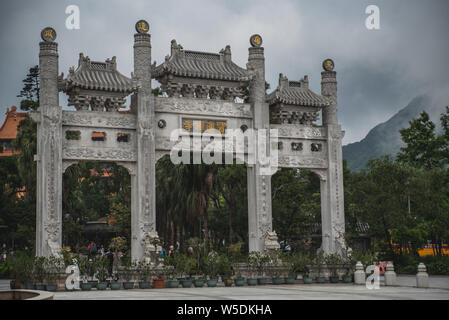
(195, 64)
(296, 93)
(8, 130)
(98, 76)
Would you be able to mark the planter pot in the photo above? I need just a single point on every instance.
(186, 283)
(144, 285)
(86, 286)
(320, 280)
(347, 279)
(262, 281)
(228, 283)
(239, 282)
(334, 280)
(212, 282)
(40, 287)
(128, 285)
(102, 285)
(307, 280)
(290, 280)
(198, 283)
(252, 282)
(93, 284)
(277, 280)
(115, 285)
(51, 287)
(173, 283)
(158, 283)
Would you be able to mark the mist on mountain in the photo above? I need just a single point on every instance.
(385, 139)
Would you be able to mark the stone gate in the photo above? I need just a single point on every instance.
(200, 91)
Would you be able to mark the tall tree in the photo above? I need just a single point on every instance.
(423, 148)
(30, 91)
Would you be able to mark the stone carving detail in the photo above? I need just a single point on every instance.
(304, 132)
(294, 117)
(210, 107)
(294, 162)
(66, 164)
(271, 243)
(152, 248)
(99, 154)
(76, 118)
(53, 230)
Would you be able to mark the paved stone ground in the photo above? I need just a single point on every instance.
(405, 291)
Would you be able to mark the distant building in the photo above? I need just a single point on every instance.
(8, 131)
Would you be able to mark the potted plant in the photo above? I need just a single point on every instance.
(212, 269)
(225, 269)
(199, 280)
(144, 273)
(296, 264)
(275, 269)
(262, 263)
(115, 284)
(19, 266)
(189, 268)
(252, 264)
(307, 279)
(53, 266)
(234, 253)
(91, 263)
(319, 261)
(84, 266)
(28, 275)
(39, 272)
(101, 266)
(333, 261)
(158, 283)
(129, 269)
(172, 269)
(350, 266)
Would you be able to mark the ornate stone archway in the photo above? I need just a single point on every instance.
(201, 90)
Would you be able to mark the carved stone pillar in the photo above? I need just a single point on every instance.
(49, 154)
(259, 186)
(332, 193)
(144, 208)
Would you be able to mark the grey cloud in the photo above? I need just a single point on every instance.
(379, 72)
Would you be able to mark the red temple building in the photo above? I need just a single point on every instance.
(8, 131)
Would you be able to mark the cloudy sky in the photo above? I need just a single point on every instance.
(379, 71)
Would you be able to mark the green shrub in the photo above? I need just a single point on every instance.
(408, 264)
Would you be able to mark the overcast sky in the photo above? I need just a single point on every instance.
(379, 71)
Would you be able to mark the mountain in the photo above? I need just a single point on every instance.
(385, 139)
